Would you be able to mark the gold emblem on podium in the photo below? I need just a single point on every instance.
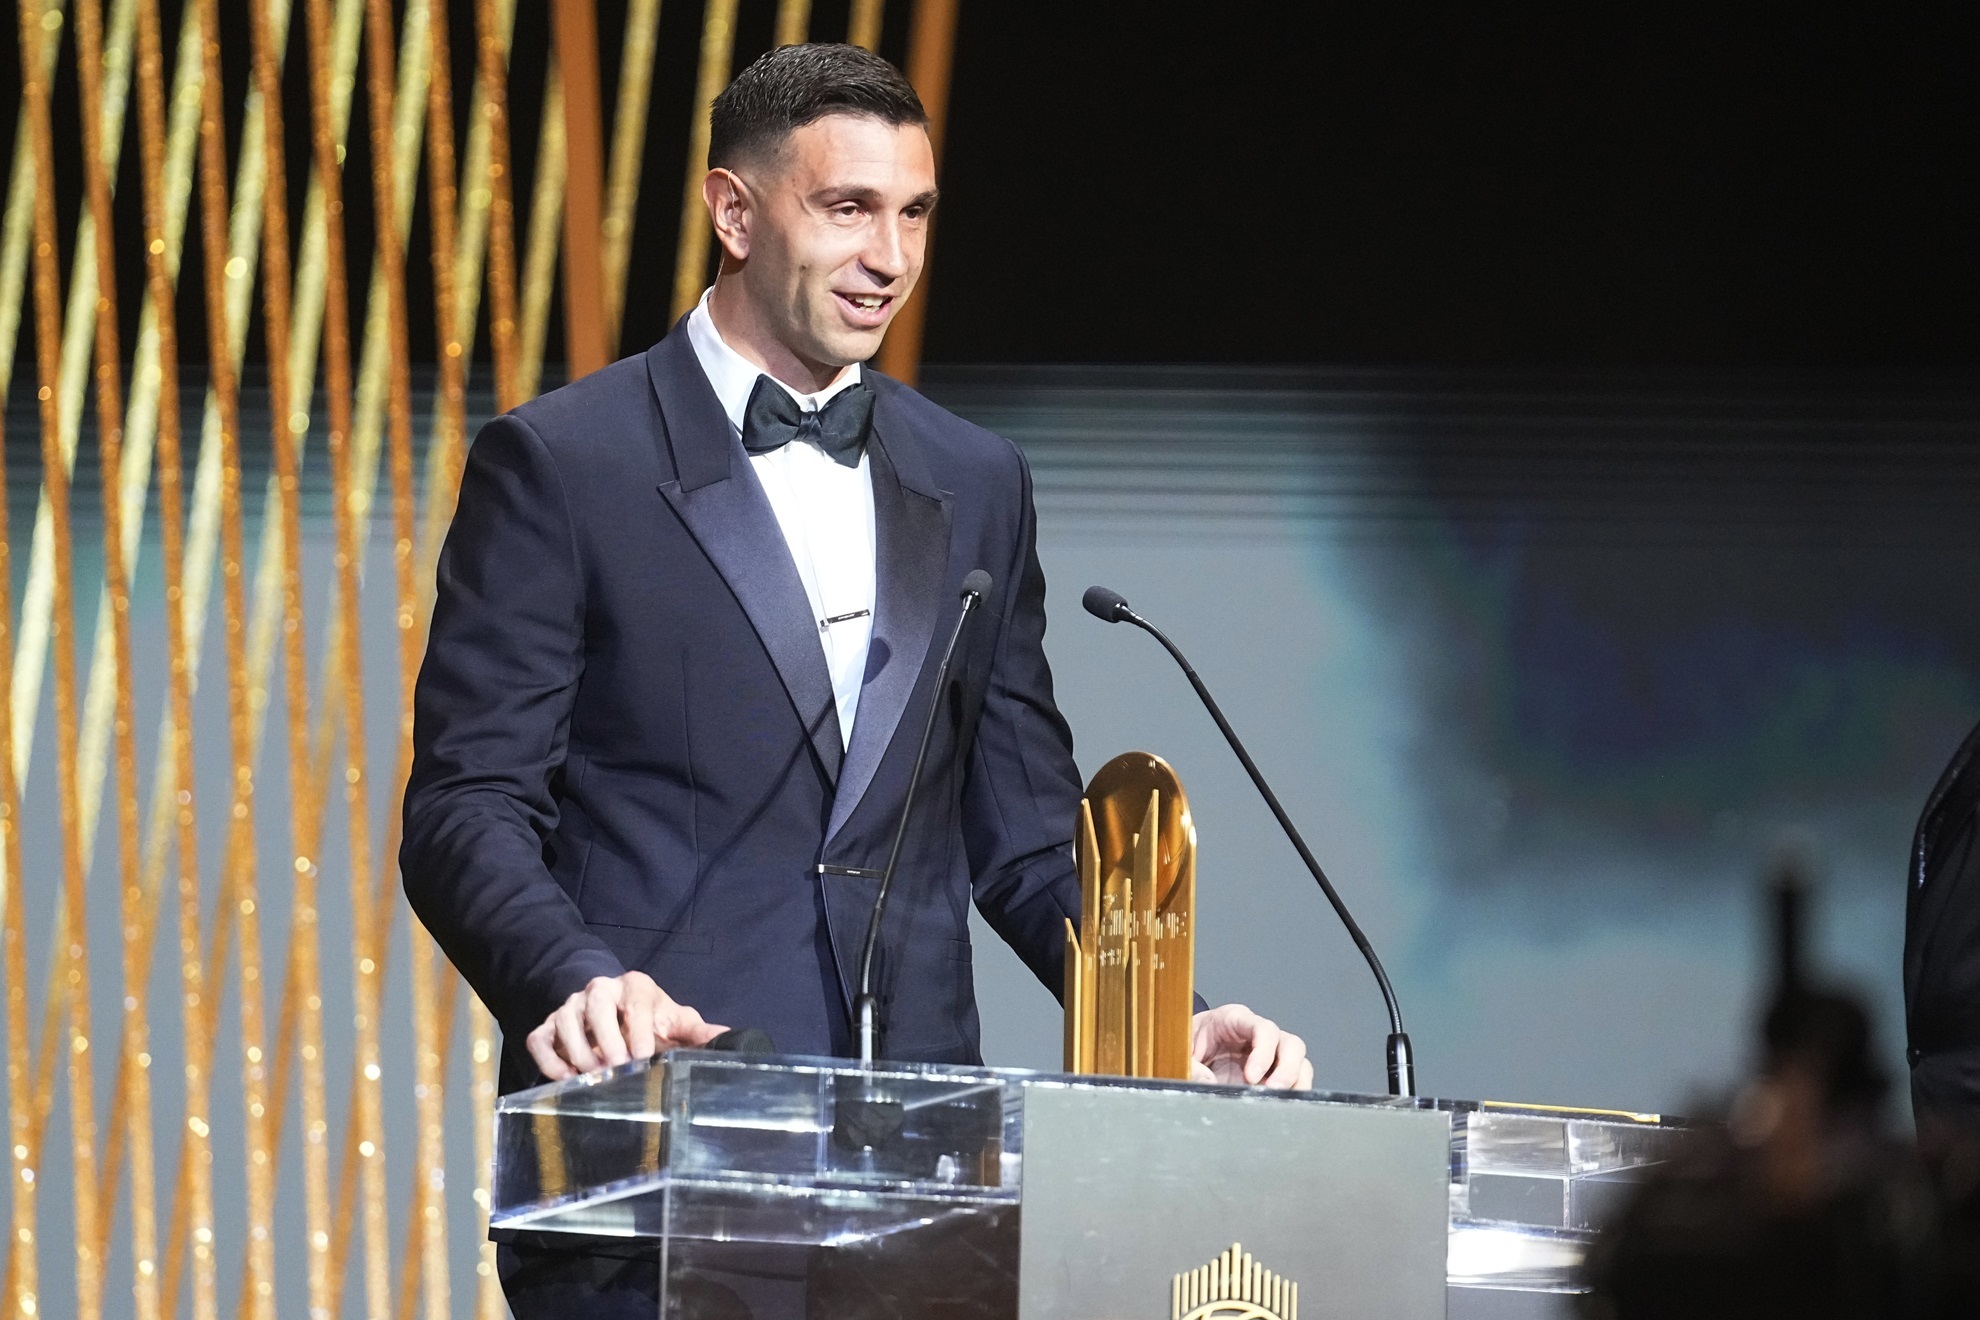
(1131, 965)
(1233, 1287)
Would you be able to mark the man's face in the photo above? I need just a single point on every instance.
(836, 232)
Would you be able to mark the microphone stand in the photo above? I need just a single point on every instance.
(1400, 1057)
(866, 1008)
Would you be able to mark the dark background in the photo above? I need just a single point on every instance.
(1510, 185)
(1479, 185)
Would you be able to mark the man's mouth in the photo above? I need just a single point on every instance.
(869, 308)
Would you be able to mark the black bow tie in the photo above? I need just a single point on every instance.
(773, 419)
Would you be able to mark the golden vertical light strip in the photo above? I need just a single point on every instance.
(546, 211)
(476, 198)
(170, 170)
(135, 1109)
(41, 1091)
(476, 202)
(793, 22)
(718, 36)
(23, 1274)
(71, 389)
(448, 447)
(241, 230)
(488, 1301)
(301, 984)
(628, 151)
(930, 58)
(107, 728)
(407, 120)
(373, 386)
(230, 242)
(19, 230)
(426, 1227)
(370, 414)
(110, 69)
(74, 935)
(28, 1101)
(575, 23)
(449, 440)
(18, 226)
(239, 860)
(195, 1150)
(442, 477)
(346, 629)
(389, 256)
(264, 70)
(486, 190)
(492, 38)
(863, 24)
(305, 973)
(244, 228)
(270, 615)
(179, 129)
(325, 130)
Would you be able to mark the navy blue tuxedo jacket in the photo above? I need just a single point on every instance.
(1942, 947)
(626, 753)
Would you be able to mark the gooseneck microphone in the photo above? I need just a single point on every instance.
(866, 1007)
(1110, 606)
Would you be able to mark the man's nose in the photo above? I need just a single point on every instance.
(887, 254)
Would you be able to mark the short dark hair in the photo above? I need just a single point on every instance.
(792, 86)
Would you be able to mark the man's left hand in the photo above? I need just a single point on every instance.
(1235, 1046)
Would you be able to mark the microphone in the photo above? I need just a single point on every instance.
(866, 1007)
(743, 1040)
(1110, 606)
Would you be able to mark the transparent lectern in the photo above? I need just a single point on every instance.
(934, 1192)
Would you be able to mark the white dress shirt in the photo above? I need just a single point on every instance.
(824, 508)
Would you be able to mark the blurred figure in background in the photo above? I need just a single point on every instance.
(1942, 955)
(1801, 1204)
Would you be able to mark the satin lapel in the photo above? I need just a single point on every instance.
(718, 497)
(911, 554)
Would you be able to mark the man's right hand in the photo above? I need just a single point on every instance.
(614, 1020)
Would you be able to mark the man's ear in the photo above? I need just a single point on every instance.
(729, 203)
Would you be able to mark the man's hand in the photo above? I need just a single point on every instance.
(1235, 1046)
(614, 1020)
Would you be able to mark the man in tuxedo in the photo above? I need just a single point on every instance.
(1942, 954)
(688, 620)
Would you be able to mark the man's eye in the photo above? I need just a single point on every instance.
(846, 210)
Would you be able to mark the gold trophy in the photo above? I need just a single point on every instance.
(1131, 965)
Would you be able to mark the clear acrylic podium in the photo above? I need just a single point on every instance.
(1052, 1197)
